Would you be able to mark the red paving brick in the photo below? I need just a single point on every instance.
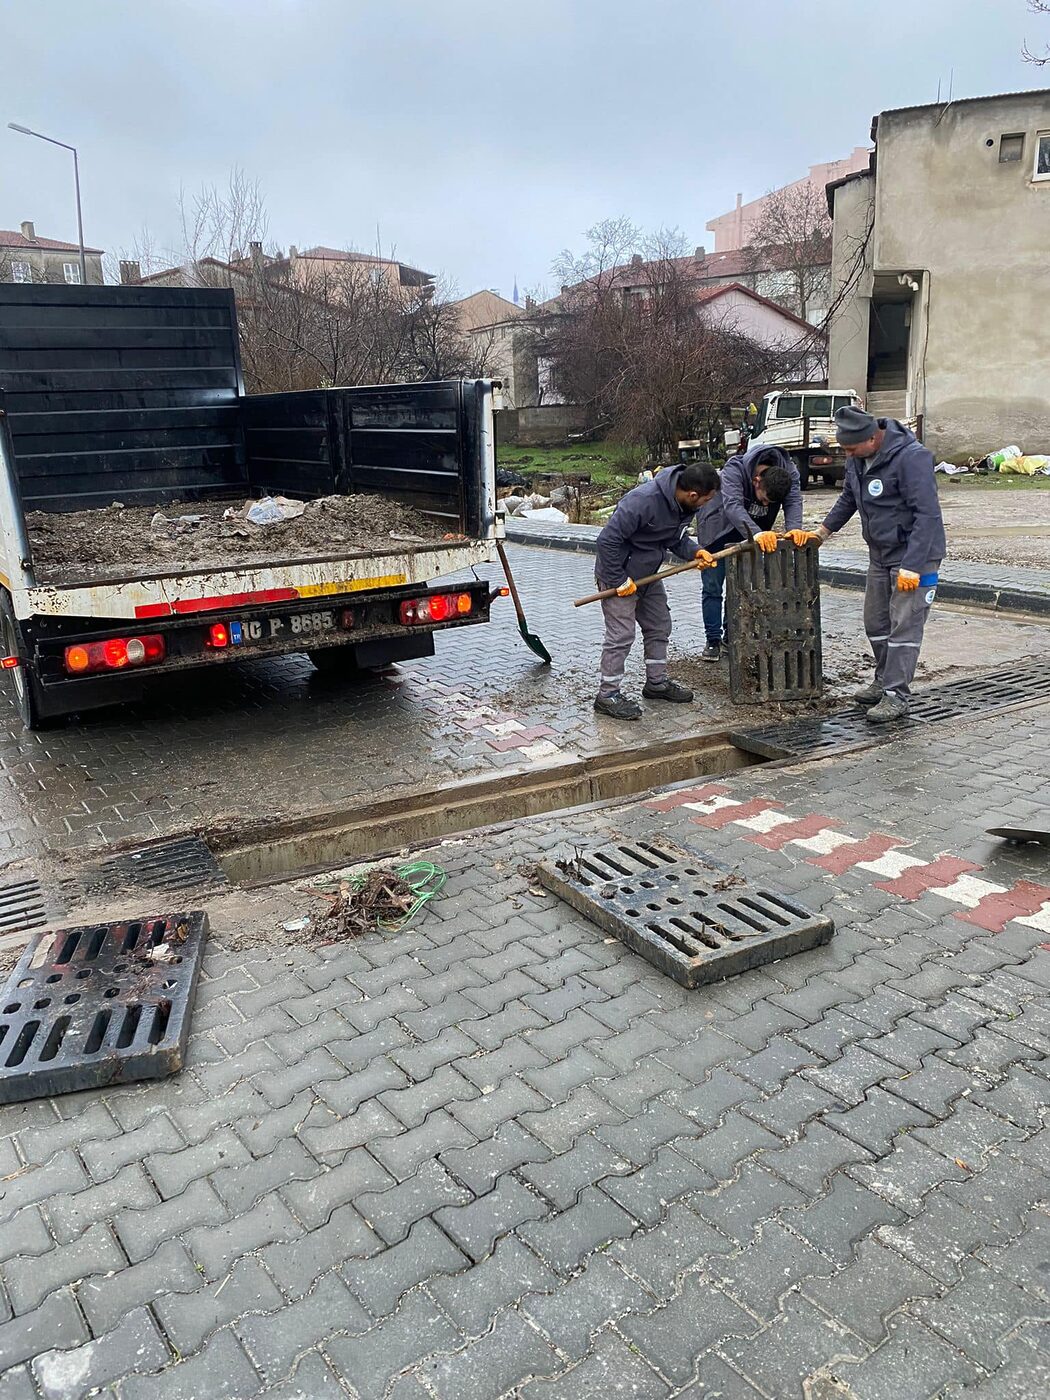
(842, 858)
(996, 910)
(725, 815)
(945, 870)
(789, 831)
(679, 799)
(520, 739)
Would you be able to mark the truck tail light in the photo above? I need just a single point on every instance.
(218, 636)
(8, 663)
(114, 654)
(439, 607)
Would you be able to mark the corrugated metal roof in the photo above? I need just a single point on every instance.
(956, 102)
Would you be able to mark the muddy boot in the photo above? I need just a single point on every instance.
(667, 690)
(889, 708)
(618, 707)
(870, 695)
(712, 652)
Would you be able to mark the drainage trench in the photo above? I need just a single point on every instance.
(324, 840)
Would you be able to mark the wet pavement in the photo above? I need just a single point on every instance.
(497, 1154)
(273, 738)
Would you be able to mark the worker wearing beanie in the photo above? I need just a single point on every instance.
(890, 480)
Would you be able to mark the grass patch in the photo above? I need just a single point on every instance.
(996, 481)
(607, 464)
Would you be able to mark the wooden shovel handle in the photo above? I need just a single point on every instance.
(744, 547)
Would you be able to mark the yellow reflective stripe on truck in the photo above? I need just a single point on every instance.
(356, 585)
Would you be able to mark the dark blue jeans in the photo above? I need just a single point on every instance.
(713, 583)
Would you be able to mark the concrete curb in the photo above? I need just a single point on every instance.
(1028, 590)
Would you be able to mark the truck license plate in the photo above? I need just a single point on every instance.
(305, 625)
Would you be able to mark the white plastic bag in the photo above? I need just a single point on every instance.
(272, 509)
(551, 514)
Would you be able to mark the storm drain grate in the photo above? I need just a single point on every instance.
(773, 625)
(103, 1004)
(22, 906)
(1025, 683)
(183, 864)
(691, 922)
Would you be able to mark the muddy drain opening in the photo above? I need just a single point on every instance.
(691, 921)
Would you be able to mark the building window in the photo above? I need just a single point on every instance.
(21, 272)
(72, 272)
(1011, 147)
(1042, 156)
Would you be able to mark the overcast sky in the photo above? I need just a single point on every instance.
(480, 137)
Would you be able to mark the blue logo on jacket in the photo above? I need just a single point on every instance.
(875, 487)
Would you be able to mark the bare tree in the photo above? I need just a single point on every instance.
(791, 244)
(1037, 7)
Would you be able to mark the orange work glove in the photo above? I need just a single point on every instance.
(626, 589)
(800, 538)
(907, 581)
(704, 560)
(767, 541)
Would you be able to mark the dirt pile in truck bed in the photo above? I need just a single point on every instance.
(138, 541)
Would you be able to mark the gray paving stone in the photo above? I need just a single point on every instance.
(297, 1264)
(420, 1061)
(241, 1185)
(484, 1114)
(912, 1360)
(836, 1222)
(105, 1157)
(556, 1041)
(977, 1315)
(1022, 1098)
(472, 1299)
(642, 1134)
(478, 1166)
(62, 1175)
(775, 1262)
(1024, 1260)
(969, 1134)
(738, 1208)
(25, 1235)
(798, 1344)
(391, 1213)
(562, 1178)
(572, 1313)
(57, 1321)
(134, 1345)
(412, 1105)
(359, 1052)
(189, 1318)
(699, 1317)
(312, 1379)
(941, 1237)
(216, 1247)
(710, 1101)
(811, 1162)
(370, 1361)
(875, 1283)
(494, 1364)
(477, 1226)
(564, 1241)
(314, 1200)
(405, 1152)
(264, 1131)
(29, 1280)
(611, 1370)
(381, 1281)
(220, 1371)
(560, 1126)
(854, 1074)
(787, 1111)
(648, 1192)
(659, 1257)
(722, 1151)
(106, 1300)
(93, 1124)
(142, 1229)
(172, 1172)
(878, 1120)
(17, 1384)
(487, 1068)
(274, 1341)
(697, 1058)
(1001, 1191)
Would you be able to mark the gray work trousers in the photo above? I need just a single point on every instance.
(647, 609)
(894, 622)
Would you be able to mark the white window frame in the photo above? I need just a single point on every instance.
(71, 272)
(1040, 137)
(21, 271)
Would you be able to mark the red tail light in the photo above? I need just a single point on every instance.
(219, 636)
(114, 654)
(439, 607)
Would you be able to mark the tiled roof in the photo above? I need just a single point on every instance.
(10, 239)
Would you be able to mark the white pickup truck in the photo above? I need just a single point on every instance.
(802, 422)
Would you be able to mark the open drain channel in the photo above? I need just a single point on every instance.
(324, 840)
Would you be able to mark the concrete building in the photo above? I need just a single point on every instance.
(941, 273)
(490, 321)
(734, 230)
(26, 258)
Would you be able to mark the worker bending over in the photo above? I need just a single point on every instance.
(890, 480)
(755, 485)
(650, 522)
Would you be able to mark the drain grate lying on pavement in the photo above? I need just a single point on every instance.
(103, 1004)
(694, 924)
(22, 906)
(1025, 683)
(186, 863)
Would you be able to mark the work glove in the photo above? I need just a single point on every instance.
(907, 582)
(629, 586)
(704, 560)
(800, 538)
(767, 541)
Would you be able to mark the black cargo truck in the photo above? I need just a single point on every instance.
(134, 395)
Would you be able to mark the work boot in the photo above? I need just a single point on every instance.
(889, 708)
(712, 652)
(618, 707)
(667, 690)
(870, 695)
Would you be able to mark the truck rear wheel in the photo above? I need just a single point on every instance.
(23, 686)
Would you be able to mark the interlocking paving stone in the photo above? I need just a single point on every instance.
(472, 1299)
(134, 1345)
(494, 1364)
(612, 1369)
(220, 1370)
(371, 1360)
(189, 1319)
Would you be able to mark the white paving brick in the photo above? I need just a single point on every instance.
(824, 842)
(968, 890)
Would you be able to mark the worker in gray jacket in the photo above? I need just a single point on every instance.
(890, 480)
(650, 522)
(754, 486)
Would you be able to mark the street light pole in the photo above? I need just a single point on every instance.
(25, 131)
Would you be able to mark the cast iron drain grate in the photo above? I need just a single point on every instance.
(103, 1004)
(22, 906)
(183, 864)
(1025, 683)
(691, 922)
